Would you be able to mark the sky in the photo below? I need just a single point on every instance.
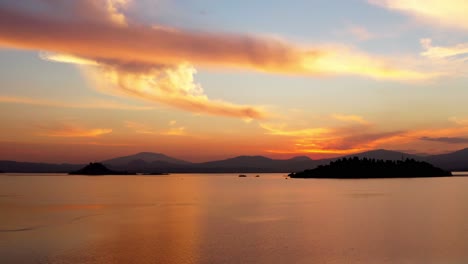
(200, 80)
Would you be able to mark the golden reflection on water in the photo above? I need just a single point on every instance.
(226, 219)
(164, 231)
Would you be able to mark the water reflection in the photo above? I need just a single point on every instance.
(225, 219)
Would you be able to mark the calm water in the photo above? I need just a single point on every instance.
(227, 219)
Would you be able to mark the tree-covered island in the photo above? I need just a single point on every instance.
(355, 168)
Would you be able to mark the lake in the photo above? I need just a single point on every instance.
(214, 218)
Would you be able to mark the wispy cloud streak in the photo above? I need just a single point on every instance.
(95, 104)
(350, 118)
(73, 131)
(140, 128)
(361, 135)
(451, 13)
(440, 52)
(450, 140)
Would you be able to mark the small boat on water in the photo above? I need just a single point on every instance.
(242, 175)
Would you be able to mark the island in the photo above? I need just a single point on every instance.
(156, 173)
(355, 168)
(98, 169)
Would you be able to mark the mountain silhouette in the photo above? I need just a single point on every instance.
(455, 161)
(255, 164)
(148, 162)
(240, 161)
(148, 157)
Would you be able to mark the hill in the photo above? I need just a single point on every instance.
(455, 161)
(143, 157)
(246, 164)
(97, 169)
(147, 162)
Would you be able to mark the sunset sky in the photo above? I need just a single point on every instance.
(208, 79)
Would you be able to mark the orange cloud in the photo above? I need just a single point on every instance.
(136, 45)
(175, 131)
(340, 140)
(458, 131)
(362, 137)
(280, 130)
(450, 13)
(67, 130)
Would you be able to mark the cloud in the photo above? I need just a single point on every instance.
(174, 131)
(359, 136)
(281, 130)
(451, 13)
(360, 141)
(114, 10)
(172, 85)
(95, 104)
(71, 130)
(460, 130)
(438, 52)
(66, 58)
(450, 140)
(350, 118)
(169, 85)
(143, 45)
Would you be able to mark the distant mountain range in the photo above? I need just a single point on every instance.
(148, 162)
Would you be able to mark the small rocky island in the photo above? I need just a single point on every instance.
(355, 168)
(156, 173)
(98, 169)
